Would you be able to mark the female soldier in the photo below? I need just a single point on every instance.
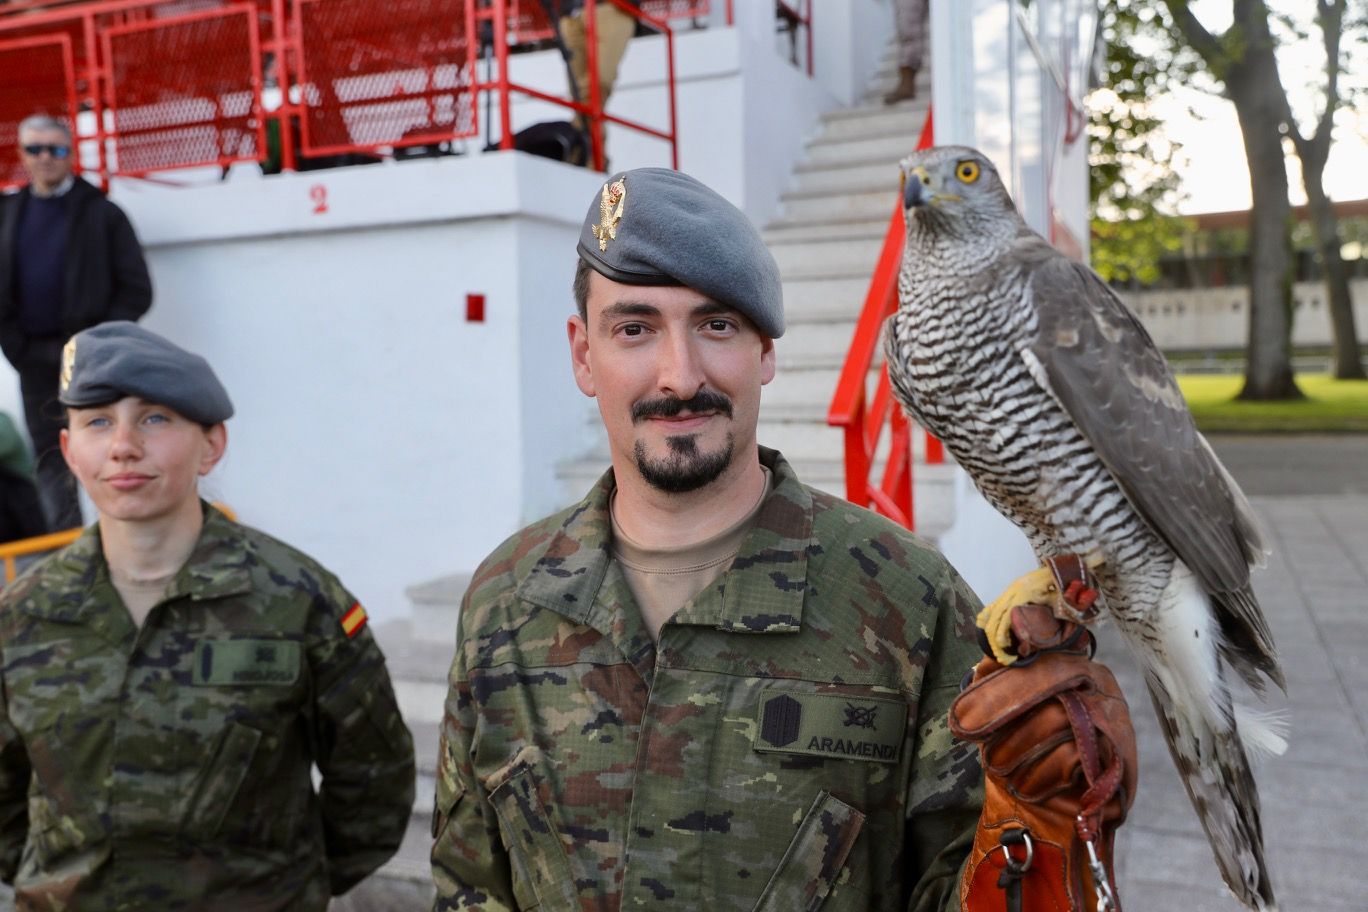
(170, 679)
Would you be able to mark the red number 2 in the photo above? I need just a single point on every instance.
(319, 194)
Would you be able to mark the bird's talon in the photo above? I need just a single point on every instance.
(1037, 587)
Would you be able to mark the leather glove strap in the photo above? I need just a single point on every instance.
(1059, 762)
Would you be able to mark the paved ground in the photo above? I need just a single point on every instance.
(1312, 493)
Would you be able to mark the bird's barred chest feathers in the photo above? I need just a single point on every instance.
(954, 356)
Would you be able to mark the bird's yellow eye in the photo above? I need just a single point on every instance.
(967, 171)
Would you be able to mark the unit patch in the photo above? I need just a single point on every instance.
(831, 725)
(229, 662)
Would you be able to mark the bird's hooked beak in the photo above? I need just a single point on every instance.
(914, 187)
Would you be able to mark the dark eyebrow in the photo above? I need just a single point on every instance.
(705, 308)
(711, 308)
(628, 309)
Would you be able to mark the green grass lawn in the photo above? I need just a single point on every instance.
(1329, 406)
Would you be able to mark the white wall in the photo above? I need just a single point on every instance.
(850, 38)
(1216, 318)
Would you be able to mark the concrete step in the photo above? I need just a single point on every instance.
(874, 201)
(820, 340)
(883, 80)
(842, 255)
(872, 120)
(819, 297)
(432, 632)
(813, 230)
(852, 176)
(810, 387)
(826, 151)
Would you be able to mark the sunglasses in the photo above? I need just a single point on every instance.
(56, 151)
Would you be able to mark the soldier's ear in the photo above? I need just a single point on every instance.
(766, 360)
(578, 334)
(215, 442)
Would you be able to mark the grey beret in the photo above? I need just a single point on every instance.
(105, 363)
(654, 226)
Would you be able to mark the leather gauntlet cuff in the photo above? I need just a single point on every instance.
(1059, 766)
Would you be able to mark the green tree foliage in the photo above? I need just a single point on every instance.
(1134, 189)
(1154, 46)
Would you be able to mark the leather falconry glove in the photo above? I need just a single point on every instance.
(1059, 762)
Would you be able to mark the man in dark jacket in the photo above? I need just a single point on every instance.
(68, 260)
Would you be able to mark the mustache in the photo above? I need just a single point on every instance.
(670, 406)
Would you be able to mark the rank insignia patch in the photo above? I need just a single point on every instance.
(836, 726)
(354, 620)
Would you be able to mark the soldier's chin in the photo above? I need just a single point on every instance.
(685, 468)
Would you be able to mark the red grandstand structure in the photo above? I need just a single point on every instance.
(156, 85)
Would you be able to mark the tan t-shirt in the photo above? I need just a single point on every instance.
(662, 581)
(139, 596)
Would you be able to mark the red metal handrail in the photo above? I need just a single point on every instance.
(863, 417)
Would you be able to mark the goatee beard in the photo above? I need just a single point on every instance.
(685, 469)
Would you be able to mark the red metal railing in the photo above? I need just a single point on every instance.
(864, 417)
(592, 108)
(184, 91)
(382, 75)
(166, 84)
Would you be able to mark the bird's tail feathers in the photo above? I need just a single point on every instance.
(1264, 732)
(1182, 656)
(1219, 782)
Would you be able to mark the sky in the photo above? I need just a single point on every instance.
(1212, 164)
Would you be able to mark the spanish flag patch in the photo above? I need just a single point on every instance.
(354, 620)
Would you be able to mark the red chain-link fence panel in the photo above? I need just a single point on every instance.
(374, 74)
(37, 80)
(528, 22)
(675, 9)
(185, 91)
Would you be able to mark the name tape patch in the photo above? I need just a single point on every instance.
(229, 662)
(831, 725)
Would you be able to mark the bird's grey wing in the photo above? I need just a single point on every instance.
(1101, 365)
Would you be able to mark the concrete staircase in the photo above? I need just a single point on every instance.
(826, 243)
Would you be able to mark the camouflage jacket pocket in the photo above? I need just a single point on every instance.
(813, 863)
(219, 782)
(53, 835)
(541, 868)
(444, 801)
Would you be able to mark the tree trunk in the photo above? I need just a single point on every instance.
(1314, 151)
(1253, 84)
(1345, 361)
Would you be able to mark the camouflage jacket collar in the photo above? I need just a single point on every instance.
(762, 592)
(215, 569)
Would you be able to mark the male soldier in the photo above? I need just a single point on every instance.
(706, 685)
(68, 260)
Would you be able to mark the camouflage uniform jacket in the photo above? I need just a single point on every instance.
(783, 747)
(169, 766)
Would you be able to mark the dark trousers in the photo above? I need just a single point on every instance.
(46, 418)
(21, 515)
